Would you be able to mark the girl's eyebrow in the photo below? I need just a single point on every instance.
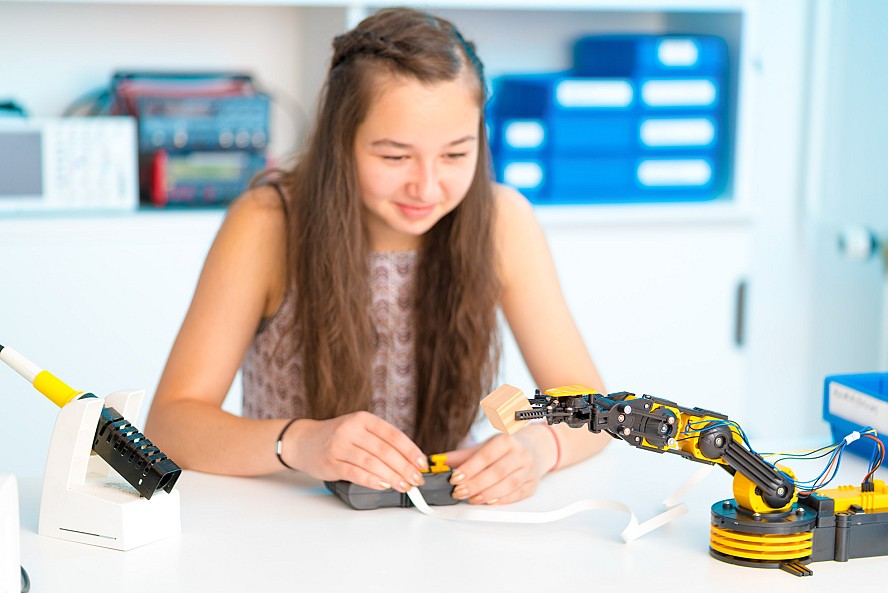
(400, 145)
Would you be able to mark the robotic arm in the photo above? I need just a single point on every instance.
(769, 523)
(663, 426)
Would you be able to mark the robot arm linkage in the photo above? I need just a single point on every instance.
(662, 426)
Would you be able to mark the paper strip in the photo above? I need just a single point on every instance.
(632, 531)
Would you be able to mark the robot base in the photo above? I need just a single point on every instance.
(778, 540)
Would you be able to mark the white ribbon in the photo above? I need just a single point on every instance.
(632, 531)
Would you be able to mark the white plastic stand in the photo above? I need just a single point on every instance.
(10, 570)
(84, 500)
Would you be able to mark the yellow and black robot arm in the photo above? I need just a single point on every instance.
(662, 426)
(773, 521)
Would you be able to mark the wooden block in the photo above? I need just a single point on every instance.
(500, 406)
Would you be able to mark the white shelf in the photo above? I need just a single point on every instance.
(581, 5)
(717, 212)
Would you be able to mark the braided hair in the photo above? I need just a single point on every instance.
(457, 288)
(404, 49)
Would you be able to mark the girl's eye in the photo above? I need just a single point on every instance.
(394, 158)
(455, 155)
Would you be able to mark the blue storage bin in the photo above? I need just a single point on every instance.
(851, 402)
(528, 173)
(570, 134)
(563, 114)
(650, 55)
(664, 135)
(640, 118)
(546, 179)
(584, 179)
(680, 95)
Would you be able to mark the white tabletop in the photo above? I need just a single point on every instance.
(287, 533)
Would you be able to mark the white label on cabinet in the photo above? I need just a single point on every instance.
(677, 53)
(523, 174)
(674, 172)
(594, 93)
(678, 93)
(859, 408)
(677, 132)
(525, 134)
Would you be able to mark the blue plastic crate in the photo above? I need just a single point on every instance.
(644, 123)
(851, 402)
(666, 135)
(650, 55)
(584, 179)
(562, 114)
(680, 96)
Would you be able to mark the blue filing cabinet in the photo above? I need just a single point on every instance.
(638, 118)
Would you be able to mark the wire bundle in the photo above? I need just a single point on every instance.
(833, 453)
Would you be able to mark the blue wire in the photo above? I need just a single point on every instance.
(826, 476)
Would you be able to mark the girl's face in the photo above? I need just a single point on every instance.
(415, 155)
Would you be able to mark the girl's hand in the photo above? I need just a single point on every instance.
(358, 447)
(504, 469)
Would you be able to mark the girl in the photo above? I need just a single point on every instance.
(359, 292)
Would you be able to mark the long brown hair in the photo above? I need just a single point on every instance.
(457, 287)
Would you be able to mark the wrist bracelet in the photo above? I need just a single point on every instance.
(557, 449)
(279, 448)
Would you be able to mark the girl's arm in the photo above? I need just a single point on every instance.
(507, 468)
(244, 280)
(534, 306)
(239, 284)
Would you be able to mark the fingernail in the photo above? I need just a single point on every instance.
(493, 501)
(417, 480)
(457, 478)
(404, 486)
(477, 500)
(460, 492)
(422, 462)
(385, 485)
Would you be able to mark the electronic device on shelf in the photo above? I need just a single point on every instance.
(67, 163)
(202, 136)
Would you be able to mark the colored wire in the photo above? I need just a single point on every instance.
(832, 452)
(874, 463)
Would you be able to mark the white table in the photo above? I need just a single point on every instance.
(287, 533)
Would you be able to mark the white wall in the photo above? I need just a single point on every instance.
(97, 301)
(848, 187)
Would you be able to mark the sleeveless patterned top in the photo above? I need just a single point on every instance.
(272, 373)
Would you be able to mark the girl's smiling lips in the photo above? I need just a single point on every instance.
(415, 212)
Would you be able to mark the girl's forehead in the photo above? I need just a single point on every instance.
(399, 99)
(417, 114)
(384, 82)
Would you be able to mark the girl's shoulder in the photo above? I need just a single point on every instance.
(259, 215)
(514, 213)
(519, 237)
(256, 225)
(262, 204)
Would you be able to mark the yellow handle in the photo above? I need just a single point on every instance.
(54, 388)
